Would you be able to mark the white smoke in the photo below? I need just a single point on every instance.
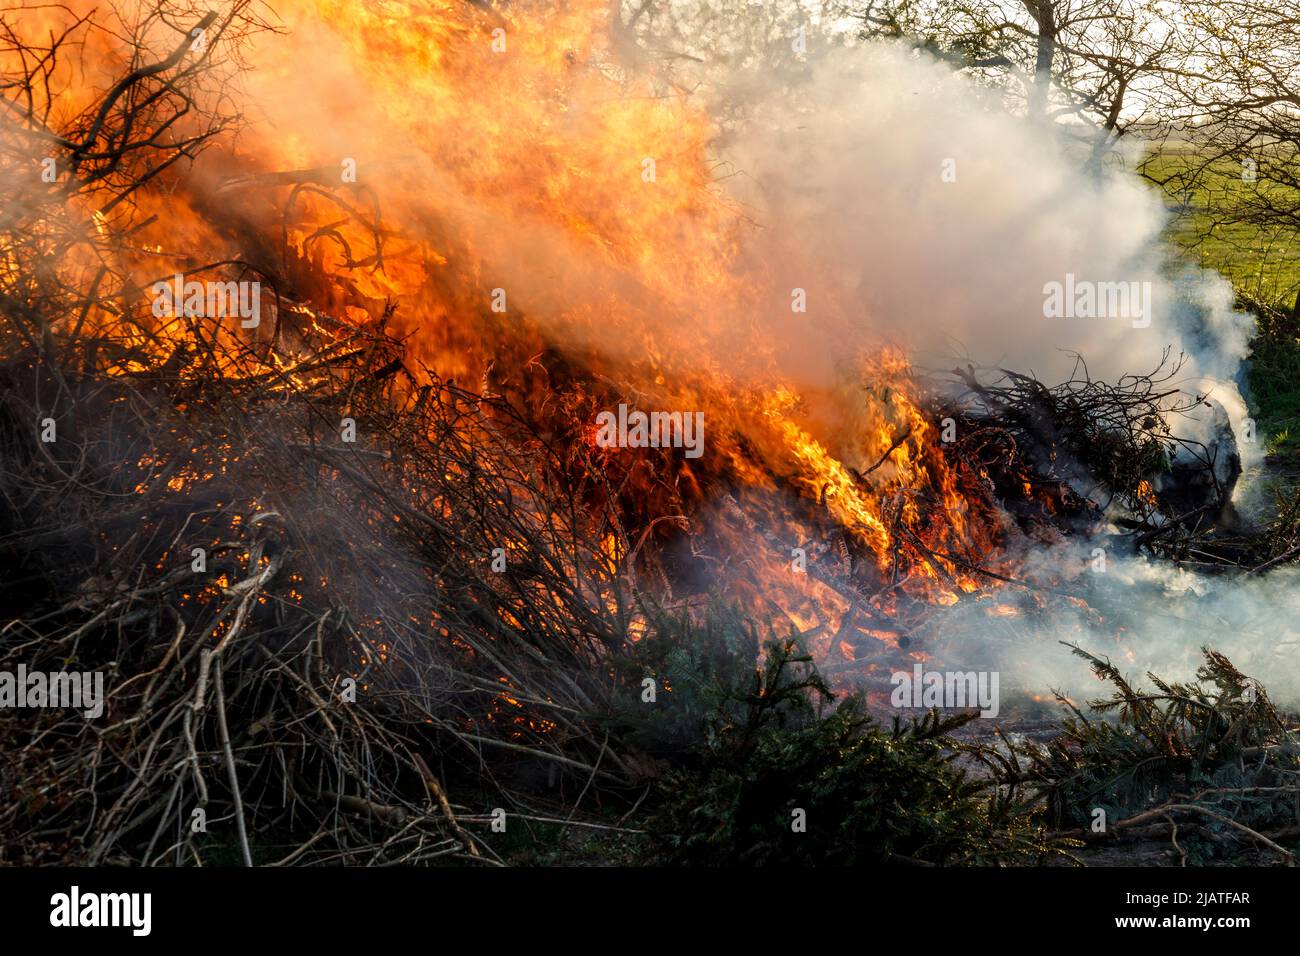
(1146, 616)
(918, 210)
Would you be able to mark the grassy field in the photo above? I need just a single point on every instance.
(1263, 264)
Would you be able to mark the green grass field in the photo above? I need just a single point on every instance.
(1263, 264)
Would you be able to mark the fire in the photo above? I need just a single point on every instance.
(505, 197)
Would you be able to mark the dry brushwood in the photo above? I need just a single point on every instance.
(324, 562)
(1112, 450)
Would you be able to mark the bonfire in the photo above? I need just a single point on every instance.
(362, 456)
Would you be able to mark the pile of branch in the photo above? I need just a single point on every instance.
(1103, 450)
(302, 636)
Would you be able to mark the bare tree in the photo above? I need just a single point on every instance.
(1091, 65)
(1234, 124)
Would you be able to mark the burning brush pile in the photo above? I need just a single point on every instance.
(306, 449)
